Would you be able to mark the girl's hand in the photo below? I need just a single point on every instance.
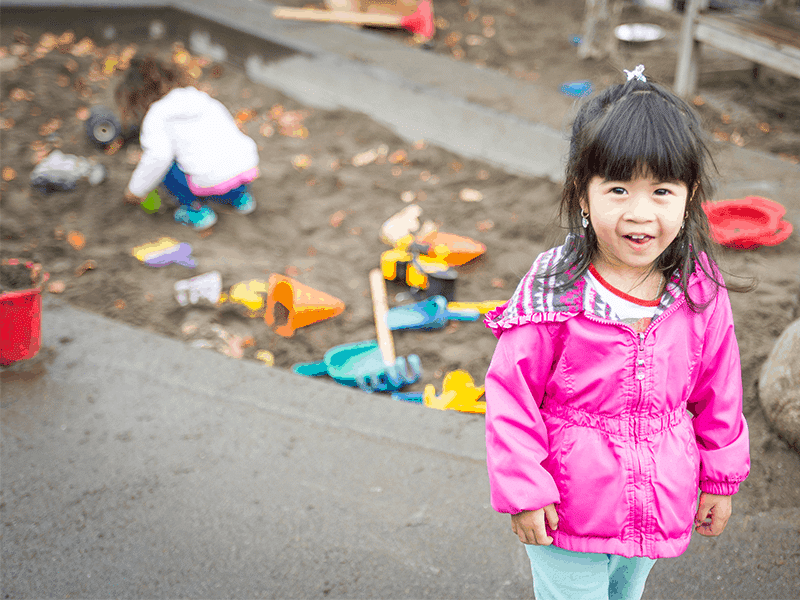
(130, 198)
(712, 515)
(529, 525)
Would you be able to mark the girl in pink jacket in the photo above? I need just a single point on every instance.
(614, 395)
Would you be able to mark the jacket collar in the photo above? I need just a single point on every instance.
(545, 295)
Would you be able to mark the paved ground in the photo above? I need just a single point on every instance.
(134, 466)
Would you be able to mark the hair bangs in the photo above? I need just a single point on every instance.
(662, 145)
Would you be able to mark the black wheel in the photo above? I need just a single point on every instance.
(103, 127)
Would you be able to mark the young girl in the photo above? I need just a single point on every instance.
(190, 143)
(615, 389)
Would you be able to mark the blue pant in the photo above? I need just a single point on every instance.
(175, 182)
(565, 575)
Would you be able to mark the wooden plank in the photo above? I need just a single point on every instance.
(759, 50)
(686, 71)
(749, 26)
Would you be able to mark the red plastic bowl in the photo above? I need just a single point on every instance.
(747, 222)
(21, 318)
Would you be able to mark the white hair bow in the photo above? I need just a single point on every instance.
(637, 73)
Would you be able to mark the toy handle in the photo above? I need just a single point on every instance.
(335, 16)
(311, 369)
(380, 307)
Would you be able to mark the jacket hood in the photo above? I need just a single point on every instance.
(545, 295)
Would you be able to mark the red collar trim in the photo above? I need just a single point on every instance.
(620, 293)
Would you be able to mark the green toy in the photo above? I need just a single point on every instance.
(152, 203)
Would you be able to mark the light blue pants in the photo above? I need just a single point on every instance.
(565, 575)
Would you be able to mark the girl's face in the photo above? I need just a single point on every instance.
(635, 221)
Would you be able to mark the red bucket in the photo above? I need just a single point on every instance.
(21, 317)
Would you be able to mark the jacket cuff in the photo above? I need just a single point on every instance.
(719, 488)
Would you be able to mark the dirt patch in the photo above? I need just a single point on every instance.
(15, 277)
(321, 205)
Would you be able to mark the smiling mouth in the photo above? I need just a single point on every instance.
(638, 238)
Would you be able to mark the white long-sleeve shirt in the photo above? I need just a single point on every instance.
(199, 133)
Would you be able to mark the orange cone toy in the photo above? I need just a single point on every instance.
(292, 305)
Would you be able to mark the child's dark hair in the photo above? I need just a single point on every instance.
(641, 129)
(145, 81)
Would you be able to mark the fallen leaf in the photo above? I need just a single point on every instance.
(76, 239)
(50, 127)
(337, 218)
(63, 80)
(408, 196)
(48, 41)
(397, 171)
(489, 32)
(18, 95)
(149, 297)
(188, 328)
(419, 145)
(82, 113)
(110, 65)
(85, 266)
(56, 287)
(498, 283)
(425, 175)
(470, 16)
(483, 174)
(365, 158)
(456, 166)
(6, 123)
(398, 156)
(267, 357)
(726, 119)
(245, 115)
(59, 233)
(301, 161)
(119, 304)
(452, 39)
(474, 40)
(267, 130)
(292, 271)
(65, 40)
(698, 101)
(764, 127)
(82, 48)
(114, 147)
(470, 195)
(485, 225)
(9, 174)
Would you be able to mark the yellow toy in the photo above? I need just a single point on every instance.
(459, 392)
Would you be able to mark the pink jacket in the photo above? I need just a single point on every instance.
(585, 413)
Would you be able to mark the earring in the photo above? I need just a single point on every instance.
(584, 219)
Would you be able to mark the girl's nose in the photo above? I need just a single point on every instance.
(639, 208)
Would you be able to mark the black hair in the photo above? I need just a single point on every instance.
(631, 130)
(146, 81)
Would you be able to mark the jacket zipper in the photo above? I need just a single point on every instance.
(639, 512)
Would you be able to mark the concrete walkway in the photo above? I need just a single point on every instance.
(134, 466)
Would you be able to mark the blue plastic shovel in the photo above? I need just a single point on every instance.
(428, 314)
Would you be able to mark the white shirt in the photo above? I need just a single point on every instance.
(199, 133)
(632, 311)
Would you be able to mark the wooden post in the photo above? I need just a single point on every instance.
(597, 37)
(687, 70)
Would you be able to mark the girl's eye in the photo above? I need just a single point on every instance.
(662, 192)
(618, 190)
